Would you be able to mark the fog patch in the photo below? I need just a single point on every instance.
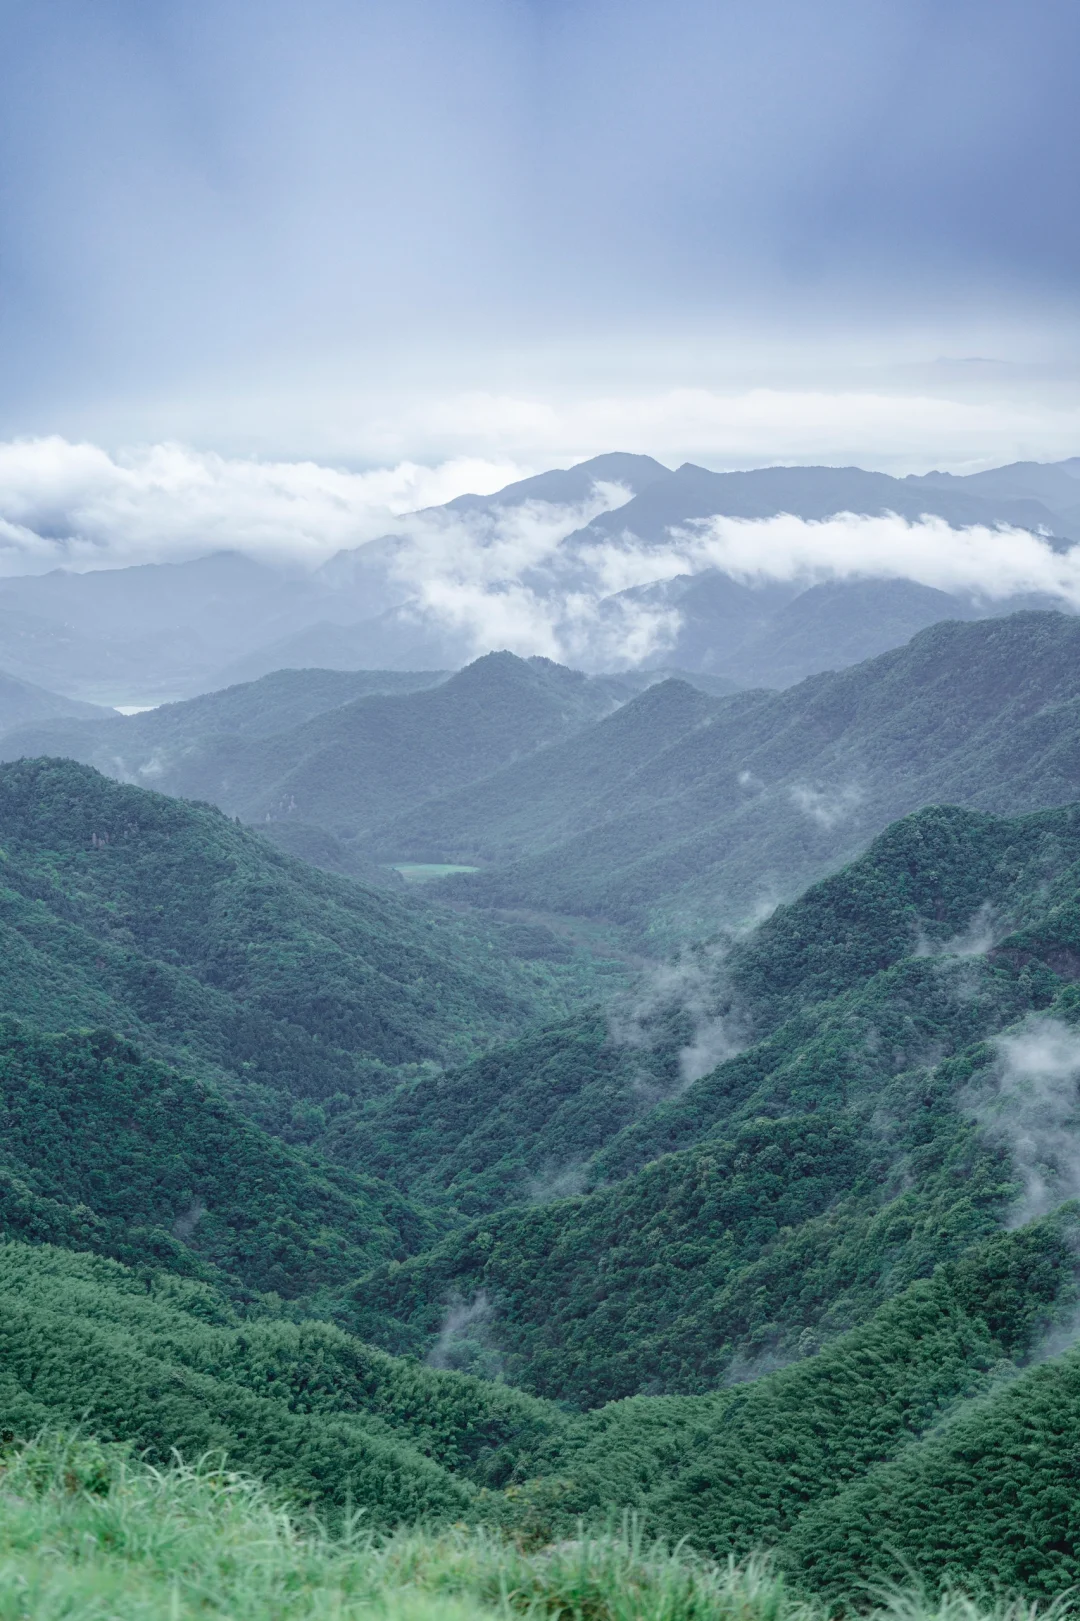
(693, 987)
(828, 807)
(186, 1223)
(557, 1182)
(1031, 1106)
(979, 936)
(464, 1344)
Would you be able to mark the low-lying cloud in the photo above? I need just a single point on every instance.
(77, 505)
(481, 578)
(1032, 1107)
(828, 807)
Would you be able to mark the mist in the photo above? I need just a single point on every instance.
(1030, 1104)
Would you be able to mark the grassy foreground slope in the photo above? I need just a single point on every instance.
(922, 1393)
(777, 788)
(85, 1531)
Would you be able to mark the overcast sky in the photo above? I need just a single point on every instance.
(530, 230)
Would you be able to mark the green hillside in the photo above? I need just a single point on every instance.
(167, 922)
(777, 1250)
(900, 1416)
(533, 803)
(788, 1190)
(104, 1150)
(163, 1363)
(280, 749)
(137, 747)
(777, 788)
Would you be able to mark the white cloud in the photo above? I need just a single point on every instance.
(894, 429)
(1033, 1108)
(64, 503)
(828, 807)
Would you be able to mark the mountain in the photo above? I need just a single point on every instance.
(771, 1148)
(774, 636)
(936, 1418)
(23, 704)
(174, 927)
(1055, 484)
(533, 803)
(813, 493)
(330, 647)
(164, 1365)
(133, 747)
(566, 486)
(155, 598)
(108, 1151)
(827, 1286)
(139, 634)
(347, 763)
(158, 632)
(775, 788)
(719, 614)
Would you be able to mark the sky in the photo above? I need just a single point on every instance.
(473, 235)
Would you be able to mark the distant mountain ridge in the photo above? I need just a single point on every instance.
(295, 746)
(158, 632)
(773, 788)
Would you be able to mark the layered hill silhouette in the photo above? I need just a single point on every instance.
(678, 830)
(24, 704)
(158, 632)
(292, 747)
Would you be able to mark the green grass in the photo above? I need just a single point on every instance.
(422, 872)
(89, 1534)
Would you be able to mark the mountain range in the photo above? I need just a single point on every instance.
(158, 632)
(652, 806)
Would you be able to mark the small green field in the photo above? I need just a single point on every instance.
(422, 872)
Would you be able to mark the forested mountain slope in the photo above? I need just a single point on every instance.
(138, 748)
(167, 922)
(937, 1406)
(778, 787)
(832, 1198)
(532, 803)
(345, 764)
(788, 1189)
(105, 1150)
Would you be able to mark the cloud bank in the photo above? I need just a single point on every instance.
(506, 579)
(485, 578)
(77, 505)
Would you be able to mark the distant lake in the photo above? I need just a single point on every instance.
(421, 872)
